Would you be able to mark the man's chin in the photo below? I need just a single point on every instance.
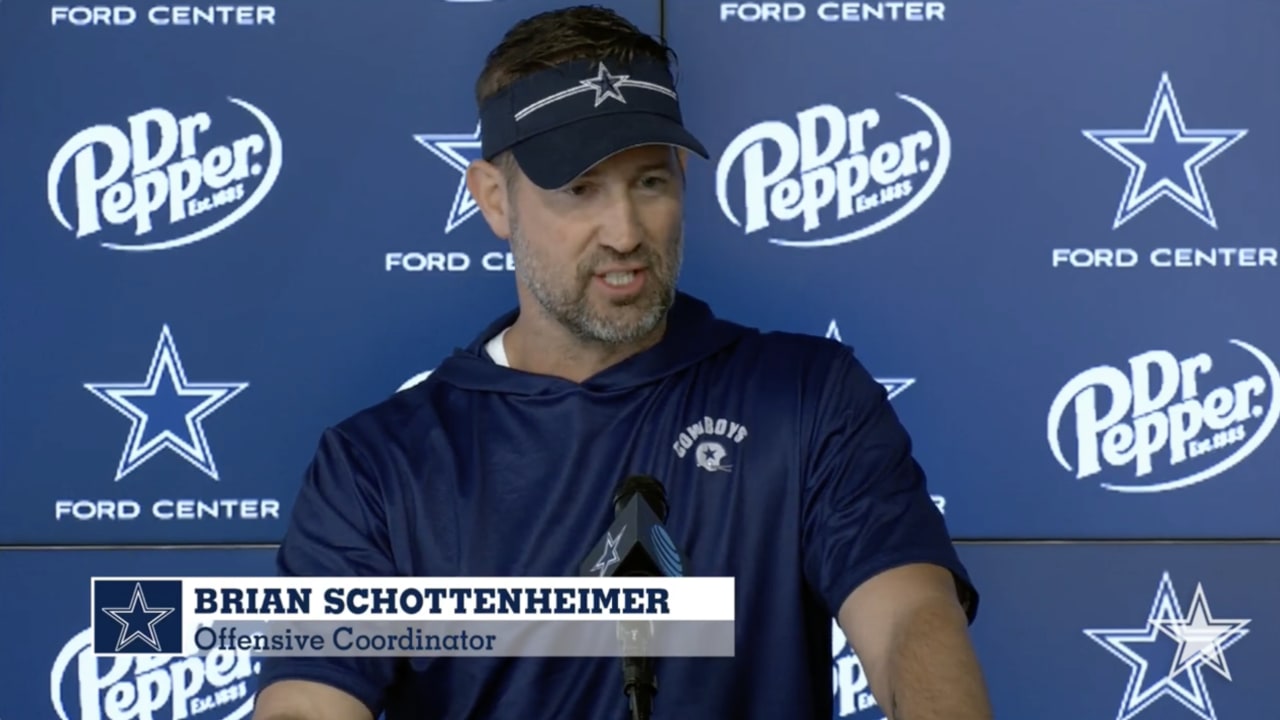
(627, 306)
(625, 323)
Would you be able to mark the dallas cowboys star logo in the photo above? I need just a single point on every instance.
(609, 557)
(167, 411)
(606, 85)
(458, 151)
(134, 622)
(893, 386)
(1165, 158)
(1201, 641)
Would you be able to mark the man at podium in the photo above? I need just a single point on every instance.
(784, 466)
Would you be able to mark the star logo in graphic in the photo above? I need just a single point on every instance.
(1165, 158)
(167, 411)
(1201, 642)
(458, 151)
(893, 386)
(606, 85)
(1202, 637)
(609, 557)
(134, 622)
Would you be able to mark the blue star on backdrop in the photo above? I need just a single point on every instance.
(166, 410)
(458, 151)
(1165, 158)
(1167, 657)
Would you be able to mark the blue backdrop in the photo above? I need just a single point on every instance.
(1049, 228)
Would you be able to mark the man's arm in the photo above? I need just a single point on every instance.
(878, 553)
(911, 634)
(306, 700)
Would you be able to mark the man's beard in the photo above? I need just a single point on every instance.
(570, 305)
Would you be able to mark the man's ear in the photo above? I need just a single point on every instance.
(488, 187)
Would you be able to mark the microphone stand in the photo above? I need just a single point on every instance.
(639, 683)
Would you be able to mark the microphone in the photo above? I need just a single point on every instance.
(636, 544)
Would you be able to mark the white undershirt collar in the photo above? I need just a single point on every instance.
(497, 350)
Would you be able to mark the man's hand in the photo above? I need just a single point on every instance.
(912, 637)
(305, 700)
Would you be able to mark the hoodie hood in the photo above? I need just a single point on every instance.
(693, 333)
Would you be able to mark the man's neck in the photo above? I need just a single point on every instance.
(548, 349)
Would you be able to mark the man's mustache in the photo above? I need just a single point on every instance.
(646, 258)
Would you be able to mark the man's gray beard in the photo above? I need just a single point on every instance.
(576, 314)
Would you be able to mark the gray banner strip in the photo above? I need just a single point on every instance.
(464, 638)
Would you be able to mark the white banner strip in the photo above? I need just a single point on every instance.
(432, 599)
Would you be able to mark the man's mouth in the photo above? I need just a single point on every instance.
(619, 278)
(622, 279)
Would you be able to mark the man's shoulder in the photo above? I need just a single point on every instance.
(388, 421)
(783, 341)
(777, 350)
(799, 371)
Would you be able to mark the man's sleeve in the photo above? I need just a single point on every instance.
(866, 508)
(337, 528)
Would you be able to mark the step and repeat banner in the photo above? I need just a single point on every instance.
(1049, 229)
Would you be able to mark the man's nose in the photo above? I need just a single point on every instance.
(622, 230)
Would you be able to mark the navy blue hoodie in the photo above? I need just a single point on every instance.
(784, 464)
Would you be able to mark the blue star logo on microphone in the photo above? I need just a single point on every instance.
(609, 557)
(166, 410)
(137, 617)
(1165, 158)
(457, 151)
(1168, 656)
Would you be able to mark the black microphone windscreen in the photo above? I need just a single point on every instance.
(649, 488)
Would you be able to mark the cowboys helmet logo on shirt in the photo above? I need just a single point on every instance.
(710, 454)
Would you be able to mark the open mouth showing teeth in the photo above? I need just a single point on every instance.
(618, 279)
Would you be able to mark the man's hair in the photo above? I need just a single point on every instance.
(583, 32)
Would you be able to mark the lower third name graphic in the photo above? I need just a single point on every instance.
(225, 602)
